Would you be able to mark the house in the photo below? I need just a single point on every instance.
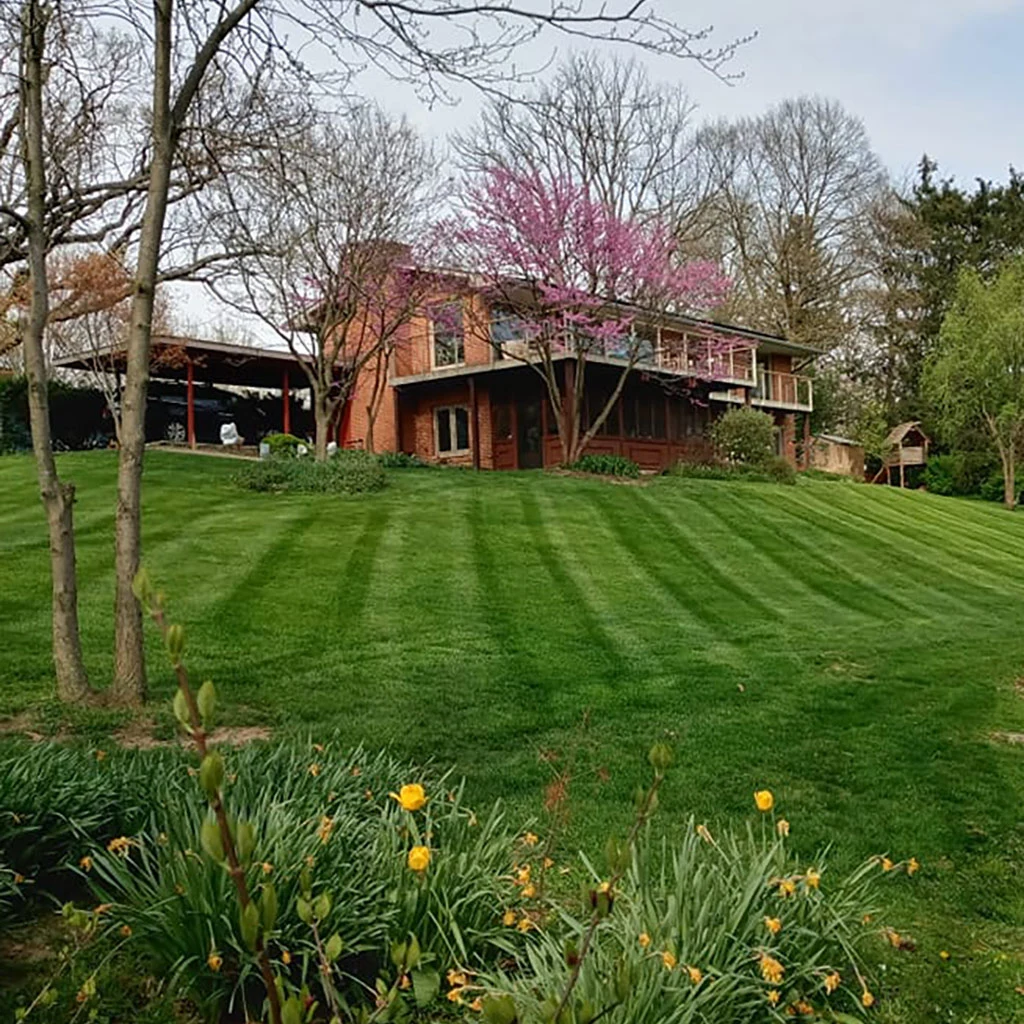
(458, 389)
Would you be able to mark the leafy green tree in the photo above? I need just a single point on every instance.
(975, 377)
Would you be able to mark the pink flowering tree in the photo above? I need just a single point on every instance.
(579, 283)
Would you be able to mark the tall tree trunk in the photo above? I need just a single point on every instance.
(322, 431)
(58, 497)
(129, 685)
(1010, 478)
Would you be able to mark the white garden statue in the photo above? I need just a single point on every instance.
(229, 435)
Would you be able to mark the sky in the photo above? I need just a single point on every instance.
(942, 77)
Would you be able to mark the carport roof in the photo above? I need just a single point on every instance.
(213, 362)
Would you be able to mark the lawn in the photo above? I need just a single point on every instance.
(853, 648)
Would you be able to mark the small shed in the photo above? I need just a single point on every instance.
(838, 455)
(906, 445)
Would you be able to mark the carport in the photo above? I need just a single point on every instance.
(192, 360)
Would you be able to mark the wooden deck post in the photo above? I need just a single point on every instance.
(807, 440)
(474, 423)
(286, 412)
(190, 417)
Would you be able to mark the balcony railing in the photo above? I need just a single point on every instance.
(783, 389)
(709, 360)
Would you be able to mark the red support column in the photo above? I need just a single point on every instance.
(474, 423)
(286, 416)
(191, 414)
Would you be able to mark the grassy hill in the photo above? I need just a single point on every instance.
(853, 648)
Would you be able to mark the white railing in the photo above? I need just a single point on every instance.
(787, 389)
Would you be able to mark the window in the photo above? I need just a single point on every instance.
(447, 334)
(594, 404)
(644, 416)
(506, 328)
(688, 419)
(502, 429)
(452, 426)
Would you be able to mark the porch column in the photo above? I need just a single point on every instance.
(807, 440)
(286, 416)
(569, 410)
(397, 414)
(190, 418)
(474, 423)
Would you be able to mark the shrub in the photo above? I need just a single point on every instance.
(777, 470)
(705, 930)
(347, 472)
(940, 474)
(401, 460)
(606, 465)
(994, 487)
(283, 444)
(745, 436)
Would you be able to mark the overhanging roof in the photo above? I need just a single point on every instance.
(213, 362)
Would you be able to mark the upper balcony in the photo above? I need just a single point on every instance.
(783, 391)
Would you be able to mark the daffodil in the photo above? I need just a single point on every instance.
(314, 769)
(886, 864)
(120, 845)
(943, 954)
(782, 827)
(508, 919)
(832, 982)
(531, 839)
(813, 878)
(773, 924)
(668, 959)
(525, 924)
(125, 931)
(773, 996)
(771, 970)
(764, 800)
(213, 961)
(411, 797)
(867, 999)
(419, 859)
(787, 887)
(696, 974)
(286, 957)
(912, 866)
(702, 831)
(644, 939)
(456, 979)
(477, 1005)
(86, 863)
(529, 891)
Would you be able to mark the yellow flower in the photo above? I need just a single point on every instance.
(668, 959)
(314, 769)
(771, 969)
(213, 961)
(477, 1005)
(121, 845)
(523, 875)
(867, 999)
(886, 864)
(943, 954)
(702, 831)
(604, 886)
(787, 887)
(318, 747)
(411, 796)
(102, 908)
(803, 1009)
(267, 867)
(101, 755)
(548, 863)
(773, 924)
(286, 957)
(525, 924)
(813, 878)
(764, 800)
(509, 918)
(126, 930)
(529, 891)
(782, 827)
(456, 979)
(419, 858)
(696, 974)
(644, 939)
(18, 878)
(773, 996)
(85, 863)
(530, 839)
(832, 982)
(912, 866)
(894, 937)
(405, 982)
(325, 829)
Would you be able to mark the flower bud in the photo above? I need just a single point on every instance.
(660, 757)
(249, 923)
(322, 906)
(268, 907)
(210, 841)
(206, 701)
(142, 588)
(180, 706)
(332, 950)
(245, 841)
(175, 641)
(211, 774)
(305, 910)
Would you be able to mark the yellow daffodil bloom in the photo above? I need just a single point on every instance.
(764, 800)
(286, 957)
(530, 839)
(813, 878)
(121, 845)
(125, 931)
(943, 954)
(773, 924)
(456, 979)
(669, 960)
(773, 996)
(325, 829)
(525, 924)
(696, 974)
(782, 827)
(267, 867)
(455, 995)
(509, 918)
(529, 890)
(886, 864)
(523, 875)
(644, 939)
(411, 797)
(912, 866)
(787, 887)
(702, 831)
(85, 863)
(419, 858)
(477, 1005)
(832, 982)
(867, 999)
(548, 863)
(314, 769)
(213, 961)
(771, 970)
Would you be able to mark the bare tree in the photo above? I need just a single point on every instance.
(794, 191)
(332, 270)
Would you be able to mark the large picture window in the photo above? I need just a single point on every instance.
(644, 416)
(451, 425)
(447, 334)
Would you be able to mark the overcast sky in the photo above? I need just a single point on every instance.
(943, 77)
